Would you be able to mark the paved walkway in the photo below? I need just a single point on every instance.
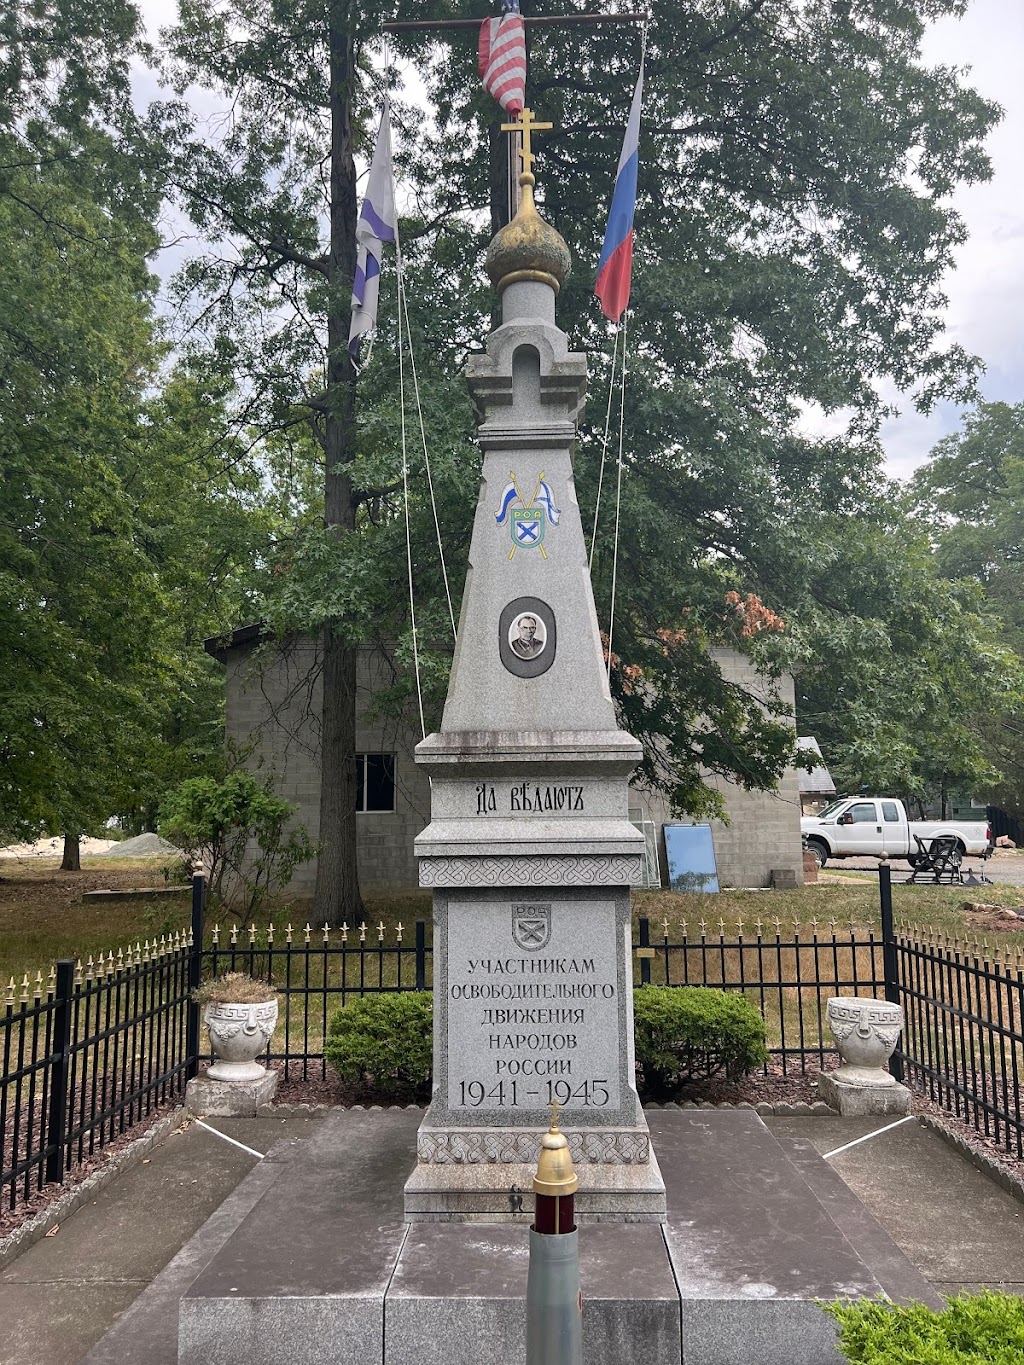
(61, 1296)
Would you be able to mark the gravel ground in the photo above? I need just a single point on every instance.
(1003, 868)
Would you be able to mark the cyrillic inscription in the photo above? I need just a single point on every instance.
(528, 1028)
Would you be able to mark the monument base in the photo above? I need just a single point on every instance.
(310, 1257)
(229, 1099)
(857, 1100)
(501, 1192)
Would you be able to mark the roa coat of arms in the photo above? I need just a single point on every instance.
(531, 926)
(528, 521)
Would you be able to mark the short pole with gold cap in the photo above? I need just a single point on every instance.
(554, 1299)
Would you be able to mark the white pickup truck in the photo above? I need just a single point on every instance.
(878, 827)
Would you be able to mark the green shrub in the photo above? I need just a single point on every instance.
(973, 1329)
(237, 828)
(687, 1031)
(382, 1045)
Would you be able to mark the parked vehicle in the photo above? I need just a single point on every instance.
(878, 827)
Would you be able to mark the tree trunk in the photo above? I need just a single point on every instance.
(337, 894)
(72, 860)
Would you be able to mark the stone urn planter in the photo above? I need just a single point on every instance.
(866, 1033)
(241, 1015)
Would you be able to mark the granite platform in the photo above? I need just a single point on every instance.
(310, 1260)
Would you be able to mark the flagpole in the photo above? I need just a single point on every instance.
(618, 495)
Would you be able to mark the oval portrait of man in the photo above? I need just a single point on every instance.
(527, 636)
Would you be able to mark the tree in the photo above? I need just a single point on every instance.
(793, 230)
(78, 604)
(972, 493)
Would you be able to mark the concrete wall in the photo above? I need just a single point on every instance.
(273, 709)
(763, 833)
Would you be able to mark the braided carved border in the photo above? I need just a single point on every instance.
(589, 869)
(466, 1146)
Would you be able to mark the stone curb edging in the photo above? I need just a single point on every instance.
(783, 1109)
(65, 1205)
(1006, 1179)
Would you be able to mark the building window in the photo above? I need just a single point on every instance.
(375, 782)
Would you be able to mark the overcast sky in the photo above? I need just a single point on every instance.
(986, 291)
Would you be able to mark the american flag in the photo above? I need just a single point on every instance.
(502, 60)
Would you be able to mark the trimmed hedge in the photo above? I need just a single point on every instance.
(382, 1044)
(687, 1031)
(973, 1329)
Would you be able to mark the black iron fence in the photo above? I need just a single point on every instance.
(94, 1050)
(789, 972)
(88, 1055)
(316, 972)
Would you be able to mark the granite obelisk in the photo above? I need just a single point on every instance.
(530, 852)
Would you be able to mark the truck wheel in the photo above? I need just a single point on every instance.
(819, 850)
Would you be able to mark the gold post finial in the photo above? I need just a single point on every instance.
(556, 1110)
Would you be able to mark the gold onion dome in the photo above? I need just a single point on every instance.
(527, 248)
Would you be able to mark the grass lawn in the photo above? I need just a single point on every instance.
(43, 915)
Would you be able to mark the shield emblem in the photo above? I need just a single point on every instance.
(527, 527)
(531, 926)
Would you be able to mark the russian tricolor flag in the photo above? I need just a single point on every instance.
(615, 270)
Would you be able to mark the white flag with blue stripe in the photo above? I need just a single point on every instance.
(378, 223)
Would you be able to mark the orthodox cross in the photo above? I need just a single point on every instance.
(525, 125)
(530, 21)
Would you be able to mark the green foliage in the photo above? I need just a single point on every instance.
(973, 1329)
(971, 492)
(239, 830)
(683, 1032)
(383, 1044)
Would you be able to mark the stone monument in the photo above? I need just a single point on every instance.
(530, 852)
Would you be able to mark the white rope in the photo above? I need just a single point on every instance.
(426, 460)
(604, 448)
(234, 1141)
(400, 279)
(618, 494)
(827, 1156)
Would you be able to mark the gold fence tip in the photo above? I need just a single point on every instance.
(684, 927)
(25, 986)
(758, 925)
(362, 932)
(398, 931)
(721, 927)
(344, 931)
(308, 931)
(10, 992)
(739, 928)
(234, 933)
(38, 992)
(288, 933)
(252, 935)
(703, 927)
(326, 931)
(664, 928)
(380, 931)
(270, 932)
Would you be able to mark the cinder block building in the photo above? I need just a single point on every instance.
(273, 708)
